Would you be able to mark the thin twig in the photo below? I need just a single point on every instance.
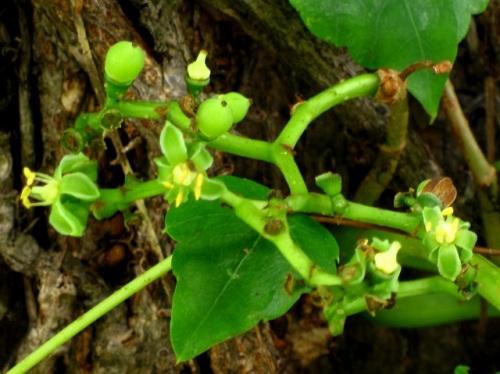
(92, 71)
(484, 173)
(362, 225)
(487, 251)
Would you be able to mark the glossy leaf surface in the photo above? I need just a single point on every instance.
(228, 277)
(395, 34)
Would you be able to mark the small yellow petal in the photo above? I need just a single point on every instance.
(428, 226)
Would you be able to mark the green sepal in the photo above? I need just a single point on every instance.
(76, 163)
(68, 218)
(449, 265)
(429, 200)
(164, 168)
(432, 246)
(200, 156)
(79, 186)
(432, 215)
(212, 189)
(172, 144)
(381, 245)
(405, 199)
(354, 271)
(466, 239)
(195, 87)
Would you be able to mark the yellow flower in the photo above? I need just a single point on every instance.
(387, 261)
(46, 194)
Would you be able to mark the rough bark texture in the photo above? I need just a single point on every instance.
(259, 48)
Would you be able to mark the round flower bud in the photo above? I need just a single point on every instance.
(124, 62)
(238, 104)
(214, 117)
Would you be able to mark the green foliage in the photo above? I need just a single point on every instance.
(246, 253)
(228, 277)
(395, 34)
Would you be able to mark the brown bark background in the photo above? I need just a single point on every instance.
(51, 63)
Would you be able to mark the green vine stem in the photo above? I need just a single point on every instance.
(421, 311)
(280, 152)
(92, 315)
(273, 226)
(387, 160)
(484, 173)
(488, 277)
(342, 208)
(305, 112)
(244, 147)
(406, 290)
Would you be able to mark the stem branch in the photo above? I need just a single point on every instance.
(92, 315)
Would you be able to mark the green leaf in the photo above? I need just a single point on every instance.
(228, 277)
(316, 241)
(395, 34)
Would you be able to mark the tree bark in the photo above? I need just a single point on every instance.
(259, 48)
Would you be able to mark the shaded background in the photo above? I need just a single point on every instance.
(51, 61)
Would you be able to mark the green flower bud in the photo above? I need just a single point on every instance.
(214, 117)
(198, 70)
(238, 104)
(330, 183)
(124, 62)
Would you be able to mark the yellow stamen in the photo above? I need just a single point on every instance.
(197, 186)
(167, 184)
(25, 193)
(447, 212)
(30, 176)
(178, 199)
(428, 226)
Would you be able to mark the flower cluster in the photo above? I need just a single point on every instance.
(182, 168)
(69, 193)
(448, 240)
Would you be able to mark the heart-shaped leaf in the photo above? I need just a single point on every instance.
(228, 277)
(395, 34)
